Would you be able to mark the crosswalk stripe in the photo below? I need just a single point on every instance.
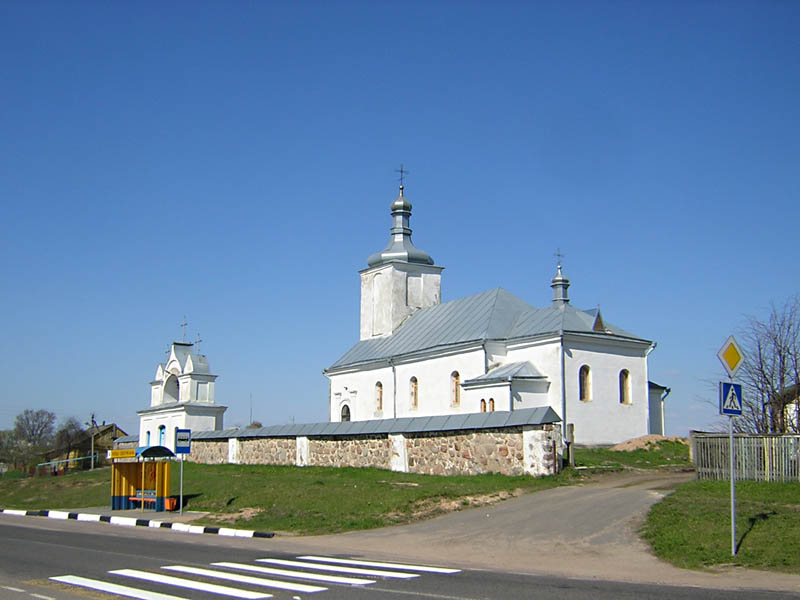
(366, 563)
(113, 588)
(295, 574)
(338, 569)
(192, 585)
(283, 585)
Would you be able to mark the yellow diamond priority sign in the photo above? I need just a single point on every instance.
(731, 356)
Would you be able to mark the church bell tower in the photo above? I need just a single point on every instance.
(399, 279)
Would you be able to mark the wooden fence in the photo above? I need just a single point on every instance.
(758, 457)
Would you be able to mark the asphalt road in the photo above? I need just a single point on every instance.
(35, 550)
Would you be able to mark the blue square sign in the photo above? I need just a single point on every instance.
(730, 399)
(183, 441)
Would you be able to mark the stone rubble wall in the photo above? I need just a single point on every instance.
(350, 451)
(272, 451)
(209, 452)
(532, 450)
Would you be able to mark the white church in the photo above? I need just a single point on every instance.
(488, 352)
(181, 397)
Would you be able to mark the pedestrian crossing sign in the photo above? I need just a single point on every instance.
(730, 399)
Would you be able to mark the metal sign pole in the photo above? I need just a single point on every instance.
(181, 497)
(733, 487)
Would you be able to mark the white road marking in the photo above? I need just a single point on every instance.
(282, 585)
(337, 569)
(366, 563)
(113, 588)
(42, 597)
(295, 574)
(12, 589)
(192, 585)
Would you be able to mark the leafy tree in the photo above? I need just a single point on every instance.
(770, 373)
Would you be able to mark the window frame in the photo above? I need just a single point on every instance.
(585, 383)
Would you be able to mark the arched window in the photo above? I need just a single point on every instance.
(584, 384)
(345, 413)
(162, 434)
(147, 439)
(413, 392)
(491, 404)
(483, 405)
(455, 389)
(624, 387)
(379, 396)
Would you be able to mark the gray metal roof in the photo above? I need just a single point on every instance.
(127, 439)
(515, 370)
(493, 315)
(490, 420)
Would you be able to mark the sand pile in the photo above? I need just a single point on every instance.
(644, 441)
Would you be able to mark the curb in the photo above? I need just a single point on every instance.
(131, 522)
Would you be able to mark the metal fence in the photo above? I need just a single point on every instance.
(758, 457)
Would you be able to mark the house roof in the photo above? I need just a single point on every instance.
(492, 315)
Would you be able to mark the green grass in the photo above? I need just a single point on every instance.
(666, 453)
(691, 527)
(311, 500)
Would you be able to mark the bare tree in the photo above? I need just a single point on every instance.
(69, 434)
(34, 427)
(770, 373)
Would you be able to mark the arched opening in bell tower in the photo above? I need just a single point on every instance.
(172, 389)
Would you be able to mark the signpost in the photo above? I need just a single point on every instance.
(183, 446)
(730, 404)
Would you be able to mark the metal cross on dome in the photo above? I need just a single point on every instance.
(403, 173)
(558, 256)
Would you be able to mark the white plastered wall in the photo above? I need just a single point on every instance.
(604, 420)
(357, 388)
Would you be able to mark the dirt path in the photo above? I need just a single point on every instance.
(586, 531)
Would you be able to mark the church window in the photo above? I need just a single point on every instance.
(491, 404)
(584, 384)
(379, 396)
(345, 413)
(483, 405)
(162, 434)
(624, 387)
(147, 439)
(414, 392)
(455, 389)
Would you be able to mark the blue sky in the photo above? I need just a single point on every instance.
(234, 162)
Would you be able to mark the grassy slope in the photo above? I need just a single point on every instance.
(691, 527)
(317, 500)
(309, 500)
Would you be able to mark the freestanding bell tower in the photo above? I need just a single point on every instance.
(398, 280)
